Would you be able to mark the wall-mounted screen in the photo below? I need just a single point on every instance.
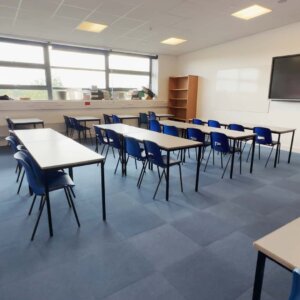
(285, 78)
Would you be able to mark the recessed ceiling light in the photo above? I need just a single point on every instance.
(251, 12)
(173, 41)
(91, 27)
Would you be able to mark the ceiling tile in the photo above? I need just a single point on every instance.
(127, 23)
(88, 4)
(9, 3)
(72, 12)
(102, 18)
(41, 5)
(7, 12)
(113, 7)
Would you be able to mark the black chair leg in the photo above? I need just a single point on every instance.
(117, 165)
(73, 207)
(22, 178)
(19, 173)
(32, 204)
(67, 196)
(259, 151)
(207, 160)
(72, 191)
(43, 200)
(269, 156)
(161, 176)
(180, 175)
(139, 182)
(230, 157)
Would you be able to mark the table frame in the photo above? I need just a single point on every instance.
(27, 121)
(70, 168)
(168, 150)
(206, 130)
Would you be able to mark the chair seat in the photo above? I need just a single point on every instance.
(173, 162)
(262, 142)
(57, 180)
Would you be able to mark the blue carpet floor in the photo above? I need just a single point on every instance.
(196, 246)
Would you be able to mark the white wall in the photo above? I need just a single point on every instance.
(235, 80)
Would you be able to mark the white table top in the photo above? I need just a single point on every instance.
(26, 121)
(282, 245)
(123, 117)
(52, 150)
(164, 115)
(274, 129)
(87, 118)
(232, 134)
(166, 142)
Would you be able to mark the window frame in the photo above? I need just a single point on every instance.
(46, 66)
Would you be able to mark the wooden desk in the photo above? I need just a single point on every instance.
(232, 134)
(54, 151)
(28, 121)
(165, 142)
(279, 131)
(281, 246)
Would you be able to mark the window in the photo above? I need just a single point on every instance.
(36, 70)
(129, 63)
(13, 52)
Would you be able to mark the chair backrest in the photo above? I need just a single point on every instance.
(236, 127)
(154, 125)
(263, 135)
(13, 143)
(34, 181)
(115, 119)
(213, 123)
(153, 153)
(197, 122)
(10, 124)
(74, 123)
(143, 118)
(295, 291)
(195, 135)
(67, 121)
(170, 130)
(107, 119)
(133, 148)
(152, 115)
(113, 138)
(99, 135)
(219, 142)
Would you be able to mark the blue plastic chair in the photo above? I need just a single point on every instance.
(220, 143)
(197, 122)
(107, 119)
(197, 135)
(170, 130)
(143, 119)
(236, 127)
(295, 291)
(264, 137)
(10, 124)
(116, 119)
(154, 156)
(154, 125)
(114, 141)
(152, 115)
(134, 150)
(213, 123)
(69, 127)
(36, 178)
(80, 129)
(102, 140)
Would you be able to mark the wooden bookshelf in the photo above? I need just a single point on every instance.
(183, 97)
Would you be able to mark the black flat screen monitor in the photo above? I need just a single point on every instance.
(285, 78)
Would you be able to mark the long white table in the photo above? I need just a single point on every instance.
(232, 134)
(53, 151)
(165, 142)
(27, 121)
(281, 246)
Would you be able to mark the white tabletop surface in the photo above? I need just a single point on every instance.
(282, 245)
(165, 141)
(206, 129)
(52, 150)
(87, 118)
(26, 121)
